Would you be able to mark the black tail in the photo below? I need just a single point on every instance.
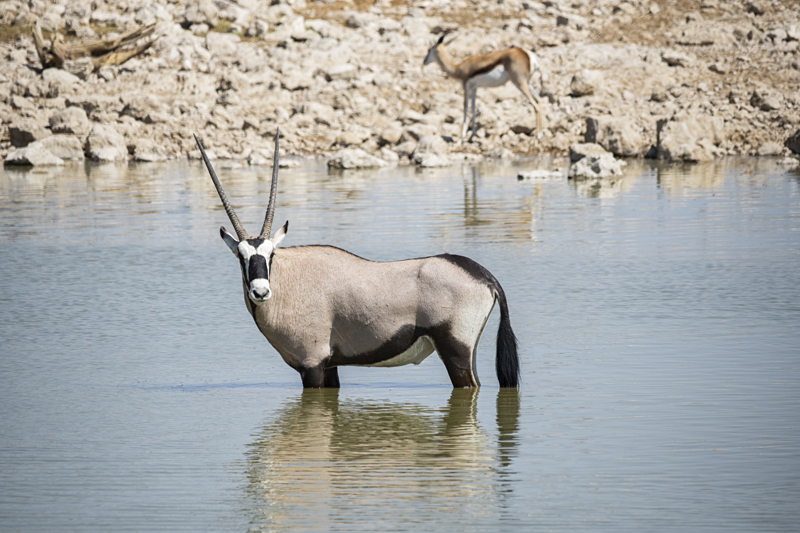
(506, 362)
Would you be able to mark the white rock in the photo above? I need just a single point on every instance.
(67, 147)
(71, 120)
(106, 145)
(770, 149)
(222, 45)
(81, 68)
(578, 151)
(35, 154)
(674, 58)
(432, 160)
(354, 158)
(24, 131)
(592, 166)
(586, 83)
(344, 71)
(618, 135)
(431, 144)
(389, 155)
(540, 175)
(689, 138)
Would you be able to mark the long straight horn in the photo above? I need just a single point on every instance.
(266, 229)
(240, 232)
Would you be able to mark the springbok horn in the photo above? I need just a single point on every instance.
(266, 229)
(240, 232)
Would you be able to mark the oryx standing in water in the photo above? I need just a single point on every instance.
(322, 307)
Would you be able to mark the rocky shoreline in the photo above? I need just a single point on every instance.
(680, 81)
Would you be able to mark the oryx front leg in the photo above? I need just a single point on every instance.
(331, 379)
(313, 377)
(315, 372)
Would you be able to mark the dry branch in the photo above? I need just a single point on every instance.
(102, 52)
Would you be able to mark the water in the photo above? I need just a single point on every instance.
(657, 316)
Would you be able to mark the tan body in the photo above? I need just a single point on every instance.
(490, 70)
(331, 308)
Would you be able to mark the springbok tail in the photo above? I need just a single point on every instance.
(506, 360)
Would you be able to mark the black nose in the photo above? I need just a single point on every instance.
(259, 294)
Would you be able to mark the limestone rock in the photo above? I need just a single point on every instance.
(500, 153)
(390, 134)
(35, 154)
(540, 175)
(71, 120)
(524, 124)
(766, 99)
(81, 68)
(578, 151)
(67, 147)
(59, 81)
(689, 138)
(431, 151)
(341, 72)
(222, 45)
(148, 150)
(320, 113)
(106, 145)
(198, 12)
(24, 131)
(354, 158)
(139, 106)
(295, 81)
(257, 28)
(406, 148)
(618, 135)
(674, 58)
(586, 83)
(418, 131)
(596, 166)
(96, 102)
(349, 138)
(770, 149)
(389, 155)
(432, 161)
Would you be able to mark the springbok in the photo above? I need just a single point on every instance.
(490, 70)
(321, 307)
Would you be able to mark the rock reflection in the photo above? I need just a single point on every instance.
(327, 463)
(611, 187)
(679, 179)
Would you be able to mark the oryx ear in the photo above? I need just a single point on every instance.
(230, 240)
(279, 235)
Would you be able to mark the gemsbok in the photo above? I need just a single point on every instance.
(490, 70)
(321, 307)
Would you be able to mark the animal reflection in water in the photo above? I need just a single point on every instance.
(326, 461)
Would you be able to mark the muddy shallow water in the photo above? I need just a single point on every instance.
(657, 316)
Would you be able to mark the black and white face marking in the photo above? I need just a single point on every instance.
(254, 255)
